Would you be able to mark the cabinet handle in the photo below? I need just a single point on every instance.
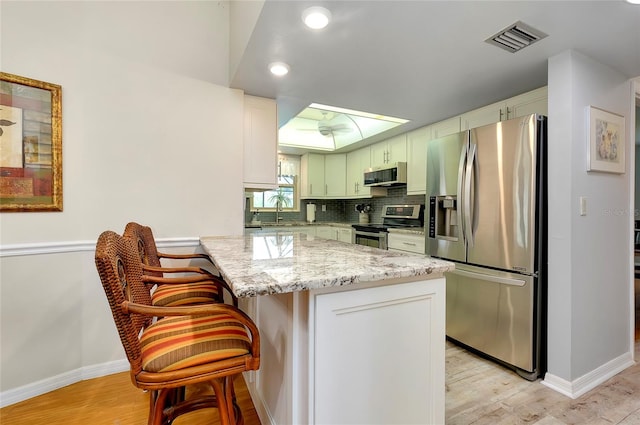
(326, 189)
(508, 113)
(409, 243)
(310, 188)
(501, 114)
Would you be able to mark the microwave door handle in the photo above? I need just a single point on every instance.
(468, 194)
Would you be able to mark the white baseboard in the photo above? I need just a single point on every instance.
(589, 381)
(44, 386)
(258, 403)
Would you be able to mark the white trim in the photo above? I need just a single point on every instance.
(17, 250)
(43, 386)
(258, 403)
(590, 380)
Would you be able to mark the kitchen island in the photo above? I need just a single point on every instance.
(349, 334)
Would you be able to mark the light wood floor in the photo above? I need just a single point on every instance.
(111, 400)
(479, 392)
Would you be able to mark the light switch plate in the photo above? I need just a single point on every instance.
(583, 206)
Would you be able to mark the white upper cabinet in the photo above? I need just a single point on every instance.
(417, 160)
(312, 175)
(260, 143)
(389, 151)
(358, 161)
(531, 102)
(445, 128)
(417, 152)
(335, 175)
(323, 176)
(482, 116)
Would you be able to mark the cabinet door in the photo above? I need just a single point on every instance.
(406, 242)
(417, 160)
(345, 235)
(357, 162)
(397, 149)
(482, 116)
(533, 102)
(327, 232)
(379, 154)
(335, 175)
(312, 176)
(260, 143)
(445, 128)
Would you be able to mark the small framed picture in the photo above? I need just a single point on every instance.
(606, 141)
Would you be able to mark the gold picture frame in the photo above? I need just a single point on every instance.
(30, 144)
(606, 147)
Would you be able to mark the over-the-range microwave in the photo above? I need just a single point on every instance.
(394, 174)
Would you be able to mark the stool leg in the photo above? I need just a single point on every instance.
(224, 394)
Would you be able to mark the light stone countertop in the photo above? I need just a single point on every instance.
(281, 262)
(285, 224)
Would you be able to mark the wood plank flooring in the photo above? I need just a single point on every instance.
(479, 392)
(110, 400)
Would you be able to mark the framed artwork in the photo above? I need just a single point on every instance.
(30, 144)
(606, 141)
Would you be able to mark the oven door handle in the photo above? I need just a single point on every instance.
(370, 234)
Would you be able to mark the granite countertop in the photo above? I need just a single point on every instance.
(296, 224)
(273, 263)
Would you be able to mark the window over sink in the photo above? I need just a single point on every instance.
(287, 197)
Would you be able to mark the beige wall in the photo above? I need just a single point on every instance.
(149, 133)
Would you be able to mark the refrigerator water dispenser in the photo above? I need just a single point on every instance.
(443, 217)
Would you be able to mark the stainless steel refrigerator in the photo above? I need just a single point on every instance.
(486, 211)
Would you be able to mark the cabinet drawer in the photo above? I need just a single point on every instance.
(405, 242)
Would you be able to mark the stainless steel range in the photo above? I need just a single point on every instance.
(398, 216)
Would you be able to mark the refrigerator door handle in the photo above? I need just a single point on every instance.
(468, 190)
(459, 196)
(490, 278)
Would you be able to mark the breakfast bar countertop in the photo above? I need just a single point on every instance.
(273, 263)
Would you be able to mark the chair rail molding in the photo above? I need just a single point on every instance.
(40, 248)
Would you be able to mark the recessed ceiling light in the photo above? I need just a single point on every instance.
(316, 17)
(279, 68)
(633, 1)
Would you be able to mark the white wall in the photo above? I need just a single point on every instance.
(589, 256)
(148, 135)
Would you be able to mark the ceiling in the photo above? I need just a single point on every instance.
(424, 61)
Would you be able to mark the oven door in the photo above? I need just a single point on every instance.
(373, 239)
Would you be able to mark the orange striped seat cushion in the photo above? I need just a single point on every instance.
(185, 294)
(174, 343)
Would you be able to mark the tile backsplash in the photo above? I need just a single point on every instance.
(342, 210)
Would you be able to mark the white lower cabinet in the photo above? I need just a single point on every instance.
(338, 355)
(406, 242)
(327, 232)
(345, 235)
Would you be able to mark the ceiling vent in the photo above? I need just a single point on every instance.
(516, 37)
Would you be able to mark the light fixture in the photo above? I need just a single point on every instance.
(279, 68)
(316, 17)
(633, 1)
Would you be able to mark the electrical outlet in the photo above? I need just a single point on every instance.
(324, 208)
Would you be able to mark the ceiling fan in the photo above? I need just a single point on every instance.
(338, 124)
